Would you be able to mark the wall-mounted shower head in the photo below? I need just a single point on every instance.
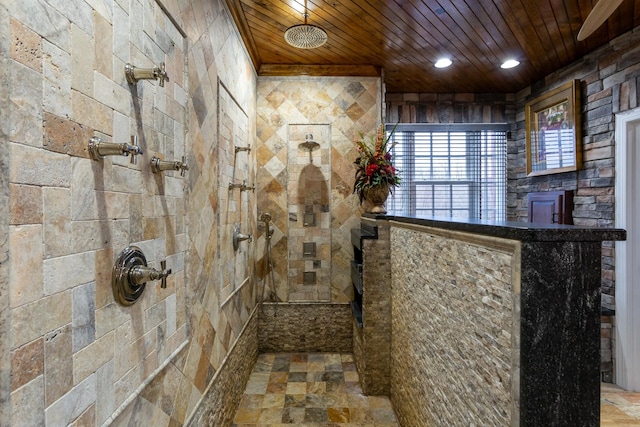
(309, 143)
(265, 217)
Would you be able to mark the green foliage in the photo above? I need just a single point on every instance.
(374, 166)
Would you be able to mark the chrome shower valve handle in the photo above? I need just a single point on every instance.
(130, 274)
(142, 274)
(134, 149)
(160, 73)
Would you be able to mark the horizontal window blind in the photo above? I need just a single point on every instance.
(455, 171)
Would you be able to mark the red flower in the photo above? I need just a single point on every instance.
(371, 169)
(373, 164)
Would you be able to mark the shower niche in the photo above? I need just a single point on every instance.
(309, 231)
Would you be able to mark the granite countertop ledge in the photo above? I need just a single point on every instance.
(523, 231)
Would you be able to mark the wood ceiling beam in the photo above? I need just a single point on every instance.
(319, 70)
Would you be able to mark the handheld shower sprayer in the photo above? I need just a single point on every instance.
(266, 218)
(269, 275)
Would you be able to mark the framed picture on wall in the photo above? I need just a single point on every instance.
(553, 129)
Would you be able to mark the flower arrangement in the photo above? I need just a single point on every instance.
(373, 164)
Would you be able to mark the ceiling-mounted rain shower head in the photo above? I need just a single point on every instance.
(305, 36)
(309, 143)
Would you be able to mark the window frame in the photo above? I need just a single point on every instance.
(475, 156)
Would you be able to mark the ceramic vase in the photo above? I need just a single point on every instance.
(377, 196)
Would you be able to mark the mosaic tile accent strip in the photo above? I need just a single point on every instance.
(305, 327)
(315, 389)
(466, 319)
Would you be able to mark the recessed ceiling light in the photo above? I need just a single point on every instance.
(510, 63)
(443, 63)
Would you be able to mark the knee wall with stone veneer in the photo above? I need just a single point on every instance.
(454, 319)
(305, 327)
(495, 324)
(371, 342)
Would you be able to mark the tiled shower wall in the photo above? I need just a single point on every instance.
(74, 351)
(335, 110)
(309, 213)
(68, 353)
(237, 206)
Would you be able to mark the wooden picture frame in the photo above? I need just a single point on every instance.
(553, 131)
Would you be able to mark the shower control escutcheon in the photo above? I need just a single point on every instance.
(131, 273)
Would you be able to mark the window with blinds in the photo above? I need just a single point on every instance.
(455, 171)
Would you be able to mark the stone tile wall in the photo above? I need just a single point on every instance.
(237, 206)
(5, 125)
(449, 108)
(345, 106)
(71, 355)
(607, 348)
(75, 353)
(305, 327)
(609, 85)
(372, 341)
(218, 407)
(221, 291)
(309, 214)
(454, 318)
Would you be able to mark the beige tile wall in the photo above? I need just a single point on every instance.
(346, 106)
(308, 193)
(74, 351)
(71, 356)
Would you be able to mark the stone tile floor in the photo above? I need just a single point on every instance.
(618, 407)
(310, 389)
(321, 389)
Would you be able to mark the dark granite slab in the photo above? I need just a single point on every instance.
(560, 334)
(523, 231)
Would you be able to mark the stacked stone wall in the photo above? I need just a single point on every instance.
(305, 327)
(455, 314)
(373, 341)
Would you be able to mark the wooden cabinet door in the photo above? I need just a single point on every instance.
(551, 207)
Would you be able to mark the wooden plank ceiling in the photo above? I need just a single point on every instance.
(405, 37)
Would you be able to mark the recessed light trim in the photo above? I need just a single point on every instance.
(510, 63)
(443, 63)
